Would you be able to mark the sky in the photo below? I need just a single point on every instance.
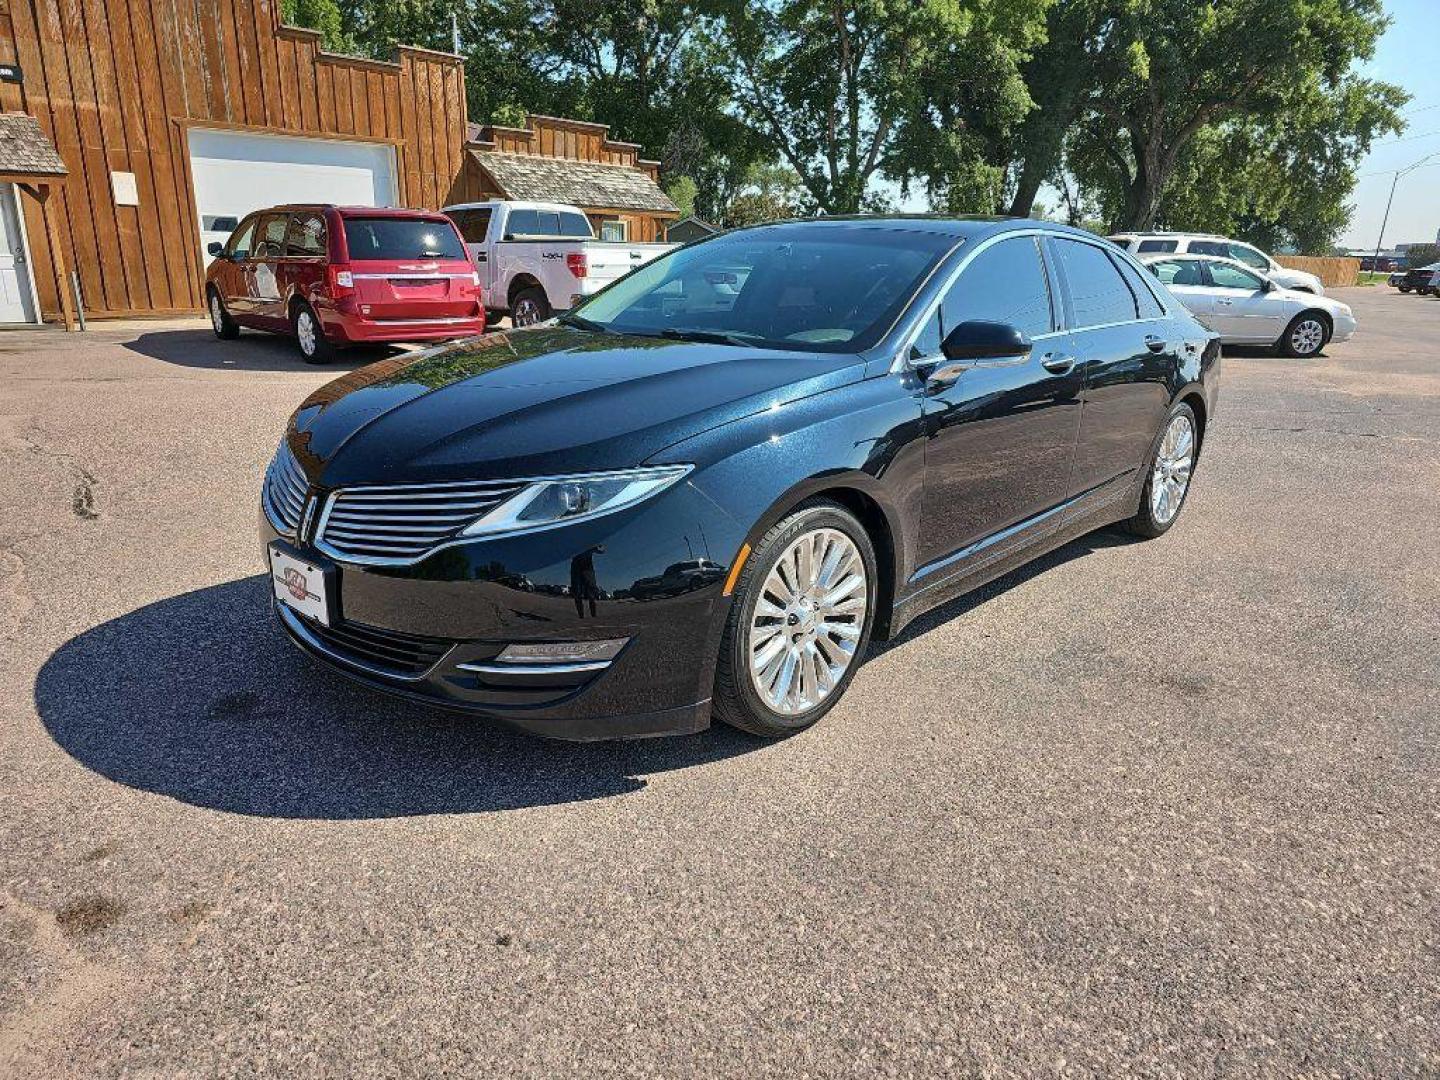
(1407, 56)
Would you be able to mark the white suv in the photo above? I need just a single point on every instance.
(1174, 243)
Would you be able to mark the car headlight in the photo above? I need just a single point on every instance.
(559, 500)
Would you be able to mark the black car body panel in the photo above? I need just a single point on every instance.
(957, 481)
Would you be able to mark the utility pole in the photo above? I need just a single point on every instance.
(1380, 243)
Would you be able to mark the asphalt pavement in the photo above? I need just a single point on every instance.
(1154, 808)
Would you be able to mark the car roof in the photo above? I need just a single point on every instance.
(354, 211)
(966, 227)
(1172, 256)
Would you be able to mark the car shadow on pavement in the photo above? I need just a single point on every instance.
(249, 352)
(200, 697)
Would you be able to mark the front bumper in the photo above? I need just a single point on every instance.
(433, 631)
(1343, 329)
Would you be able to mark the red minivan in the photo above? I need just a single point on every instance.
(342, 275)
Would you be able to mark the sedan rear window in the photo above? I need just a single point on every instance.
(401, 238)
(817, 288)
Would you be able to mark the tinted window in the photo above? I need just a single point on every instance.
(238, 246)
(1149, 307)
(1249, 256)
(1227, 276)
(1158, 245)
(522, 223)
(1097, 291)
(307, 235)
(812, 287)
(1178, 271)
(1208, 247)
(473, 224)
(401, 238)
(573, 224)
(1005, 283)
(218, 222)
(270, 244)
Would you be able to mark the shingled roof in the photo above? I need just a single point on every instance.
(25, 149)
(584, 183)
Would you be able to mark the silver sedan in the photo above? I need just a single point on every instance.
(1246, 308)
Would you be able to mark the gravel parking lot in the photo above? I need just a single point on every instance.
(1157, 808)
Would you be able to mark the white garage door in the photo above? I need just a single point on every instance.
(236, 172)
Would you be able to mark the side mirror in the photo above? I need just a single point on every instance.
(1270, 286)
(977, 340)
(215, 248)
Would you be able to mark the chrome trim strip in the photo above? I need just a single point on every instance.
(419, 275)
(296, 626)
(449, 320)
(534, 669)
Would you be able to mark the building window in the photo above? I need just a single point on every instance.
(616, 230)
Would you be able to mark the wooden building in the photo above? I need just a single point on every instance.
(175, 119)
(568, 161)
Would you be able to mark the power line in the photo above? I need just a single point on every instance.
(1409, 138)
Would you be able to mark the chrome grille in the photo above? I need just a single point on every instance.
(284, 492)
(403, 522)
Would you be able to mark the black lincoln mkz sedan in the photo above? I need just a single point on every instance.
(705, 488)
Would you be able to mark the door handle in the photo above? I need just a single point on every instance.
(1057, 363)
(1225, 303)
(1154, 344)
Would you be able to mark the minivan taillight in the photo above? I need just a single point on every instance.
(339, 282)
(578, 263)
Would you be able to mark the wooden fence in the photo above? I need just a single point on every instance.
(1332, 272)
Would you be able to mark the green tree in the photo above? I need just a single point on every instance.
(322, 15)
(1168, 69)
(769, 192)
(682, 191)
(844, 90)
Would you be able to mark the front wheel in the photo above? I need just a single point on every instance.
(226, 328)
(799, 624)
(1403, 288)
(310, 337)
(1171, 465)
(1305, 336)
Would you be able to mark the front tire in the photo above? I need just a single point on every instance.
(1306, 335)
(226, 328)
(1172, 464)
(799, 624)
(1403, 288)
(310, 336)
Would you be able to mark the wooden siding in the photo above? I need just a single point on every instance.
(1333, 272)
(118, 83)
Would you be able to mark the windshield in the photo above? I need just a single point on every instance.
(816, 287)
(401, 238)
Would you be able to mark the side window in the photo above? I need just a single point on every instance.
(1178, 272)
(1249, 256)
(1229, 276)
(307, 235)
(473, 224)
(1149, 307)
(1097, 291)
(270, 244)
(238, 246)
(522, 223)
(928, 343)
(1005, 283)
(574, 225)
(1209, 247)
(1163, 246)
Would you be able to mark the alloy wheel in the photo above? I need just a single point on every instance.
(217, 314)
(1173, 465)
(1307, 336)
(808, 621)
(526, 313)
(305, 332)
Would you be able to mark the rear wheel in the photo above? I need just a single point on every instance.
(1403, 288)
(529, 308)
(1305, 336)
(309, 335)
(226, 328)
(799, 623)
(1172, 463)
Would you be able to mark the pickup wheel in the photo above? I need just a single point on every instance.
(529, 308)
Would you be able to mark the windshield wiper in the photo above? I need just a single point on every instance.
(713, 336)
(582, 323)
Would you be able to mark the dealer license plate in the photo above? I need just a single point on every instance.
(300, 585)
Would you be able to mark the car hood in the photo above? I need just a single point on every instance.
(540, 402)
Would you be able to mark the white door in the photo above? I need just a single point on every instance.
(236, 172)
(17, 299)
(1186, 279)
(1244, 311)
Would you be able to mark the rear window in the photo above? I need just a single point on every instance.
(401, 238)
(1165, 246)
(547, 223)
(473, 223)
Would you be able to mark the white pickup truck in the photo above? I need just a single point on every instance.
(537, 258)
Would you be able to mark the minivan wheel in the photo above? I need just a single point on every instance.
(226, 328)
(1172, 464)
(310, 337)
(799, 624)
(1305, 336)
(529, 308)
